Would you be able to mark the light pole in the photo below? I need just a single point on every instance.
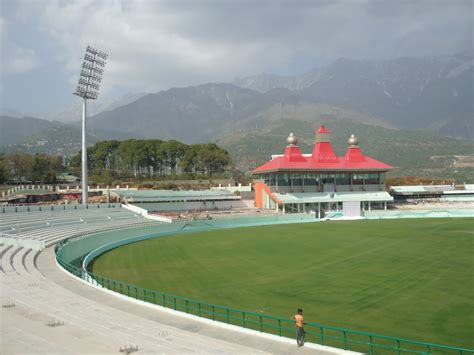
(88, 88)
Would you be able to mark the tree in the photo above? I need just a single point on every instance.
(189, 162)
(152, 157)
(4, 169)
(174, 151)
(155, 156)
(46, 167)
(22, 167)
(41, 168)
(105, 156)
(211, 159)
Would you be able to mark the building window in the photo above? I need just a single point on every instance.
(343, 179)
(328, 178)
(297, 179)
(372, 179)
(311, 179)
(358, 179)
(382, 178)
(284, 179)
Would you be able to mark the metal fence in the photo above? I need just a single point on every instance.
(54, 207)
(68, 255)
(316, 333)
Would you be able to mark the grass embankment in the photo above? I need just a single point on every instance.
(405, 278)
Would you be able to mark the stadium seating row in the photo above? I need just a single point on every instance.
(57, 225)
(45, 312)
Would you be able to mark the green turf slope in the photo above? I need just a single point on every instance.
(406, 278)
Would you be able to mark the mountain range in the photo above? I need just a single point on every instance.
(16, 129)
(74, 112)
(411, 93)
(429, 94)
(406, 93)
(34, 135)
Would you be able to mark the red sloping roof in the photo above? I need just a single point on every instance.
(323, 158)
(282, 163)
(323, 152)
(354, 154)
(367, 163)
(293, 154)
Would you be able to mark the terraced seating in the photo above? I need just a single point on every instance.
(52, 226)
(37, 218)
(36, 293)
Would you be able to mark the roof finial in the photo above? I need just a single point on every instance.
(292, 140)
(353, 141)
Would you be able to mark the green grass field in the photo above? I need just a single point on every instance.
(407, 278)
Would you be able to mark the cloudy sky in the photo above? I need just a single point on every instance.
(155, 45)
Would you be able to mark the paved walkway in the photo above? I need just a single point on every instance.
(91, 321)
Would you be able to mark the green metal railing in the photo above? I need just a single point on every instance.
(316, 333)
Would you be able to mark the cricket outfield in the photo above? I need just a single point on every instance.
(410, 278)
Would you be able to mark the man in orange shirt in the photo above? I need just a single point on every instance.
(299, 322)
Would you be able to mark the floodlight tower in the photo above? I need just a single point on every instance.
(88, 88)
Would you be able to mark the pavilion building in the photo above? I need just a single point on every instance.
(321, 181)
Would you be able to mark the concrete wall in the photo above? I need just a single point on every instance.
(232, 188)
(351, 209)
(194, 205)
(145, 214)
(49, 208)
(24, 243)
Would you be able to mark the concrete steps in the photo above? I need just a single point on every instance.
(36, 294)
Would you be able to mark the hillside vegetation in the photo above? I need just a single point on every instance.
(16, 129)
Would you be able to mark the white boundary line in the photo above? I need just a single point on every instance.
(218, 324)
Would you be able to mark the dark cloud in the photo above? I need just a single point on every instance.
(155, 45)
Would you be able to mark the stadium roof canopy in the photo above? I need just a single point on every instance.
(319, 197)
(322, 158)
(172, 195)
(421, 189)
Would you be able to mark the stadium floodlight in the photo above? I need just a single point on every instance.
(88, 88)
